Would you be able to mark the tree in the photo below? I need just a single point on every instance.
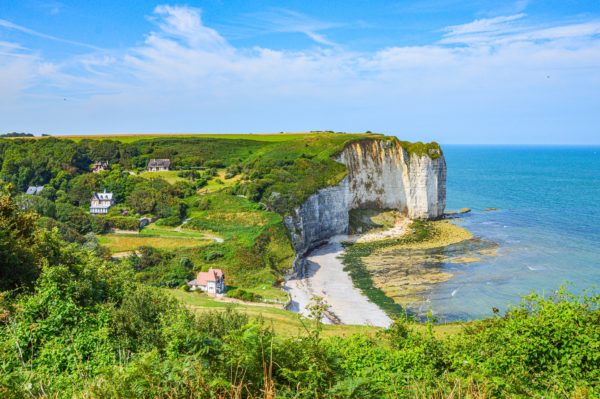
(37, 204)
(82, 188)
(74, 217)
(24, 247)
(141, 200)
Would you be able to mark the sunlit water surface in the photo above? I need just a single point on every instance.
(547, 225)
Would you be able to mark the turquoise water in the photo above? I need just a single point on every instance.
(547, 224)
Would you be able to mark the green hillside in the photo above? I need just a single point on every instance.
(236, 187)
(93, 307)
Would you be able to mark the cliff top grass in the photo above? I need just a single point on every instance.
(263, 137)
(432, 150)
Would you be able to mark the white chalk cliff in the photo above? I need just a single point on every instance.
(381, 175)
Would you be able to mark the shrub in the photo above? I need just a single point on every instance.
(169, 221)
(123, 222)
(214, 163)
(244, 295)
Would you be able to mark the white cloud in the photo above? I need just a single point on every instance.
(12, 26)
(186, 76)
(287, 21)
(511, 28)
(497, 24)
(185, 23)
(17, 72)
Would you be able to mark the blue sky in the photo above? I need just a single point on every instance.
(490, 72)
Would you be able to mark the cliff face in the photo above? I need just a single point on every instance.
(381, 175)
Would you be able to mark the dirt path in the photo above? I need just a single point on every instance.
(206, 235)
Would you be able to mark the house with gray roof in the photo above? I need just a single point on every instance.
(159, 165)
(101, 202)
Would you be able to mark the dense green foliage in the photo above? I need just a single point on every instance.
(75, 324)
(24, 249)
(87, 330)
(256, 249)
(432, 150)
(16, 134)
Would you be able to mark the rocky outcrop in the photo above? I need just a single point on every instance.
(381, 175)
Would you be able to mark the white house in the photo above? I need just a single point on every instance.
(159, 165)
(212, 282)
(101, 202)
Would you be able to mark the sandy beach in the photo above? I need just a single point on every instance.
(325, 277)
(400, 276)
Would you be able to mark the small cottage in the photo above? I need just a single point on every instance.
(101, 202)
(34, 190)
(159, 165)
(99, 166)
(212, 282)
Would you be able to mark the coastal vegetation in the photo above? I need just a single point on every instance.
(421, 231)
(236, 187)
(394, 287)
(85, 328)
(78, 321)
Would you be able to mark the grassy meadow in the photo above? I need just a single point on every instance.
(287, 323)
(129, 242)
(131, 138)
(170, 176)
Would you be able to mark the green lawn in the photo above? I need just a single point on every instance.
(157, 237)
(169, 176)
(152, 230)
(130, 138)
(129, 242)
(288, 323)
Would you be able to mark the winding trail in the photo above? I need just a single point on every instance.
(325, 276)
(215, 238)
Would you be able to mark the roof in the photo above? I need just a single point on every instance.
(212, 275)
(159, 163)
(34, 190)
(101, 163)
(104, 196)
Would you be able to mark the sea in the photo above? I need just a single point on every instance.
(546, 225)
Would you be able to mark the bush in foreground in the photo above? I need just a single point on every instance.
(84, 328)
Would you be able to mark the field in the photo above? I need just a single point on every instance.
(152, 230)
(169, 176)
(128, 242)
(219, 182)
(159, 237)
(130, 138)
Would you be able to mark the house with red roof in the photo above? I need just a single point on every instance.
(212, 282)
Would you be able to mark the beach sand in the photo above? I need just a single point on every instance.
(404, 272)
(325, 276)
